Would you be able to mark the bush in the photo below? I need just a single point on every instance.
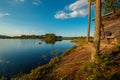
(118, 46)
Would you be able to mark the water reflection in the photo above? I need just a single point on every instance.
(55, 52)
(2, 61)
(20, 56)
(50, 41)
(44, 57)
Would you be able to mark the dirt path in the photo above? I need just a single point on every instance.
(70, 64)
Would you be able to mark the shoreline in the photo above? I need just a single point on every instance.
(70, 64)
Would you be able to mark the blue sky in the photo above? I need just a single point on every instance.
(62, 17)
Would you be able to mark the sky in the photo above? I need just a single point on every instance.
(27, 17)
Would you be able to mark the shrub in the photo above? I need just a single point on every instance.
(118, 46)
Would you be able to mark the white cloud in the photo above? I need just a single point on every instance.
(76, 9)
(61, 14)
(36, 2)
(4, 14)
(33, 2)
(20, 0)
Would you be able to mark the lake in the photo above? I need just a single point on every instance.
(19, 56)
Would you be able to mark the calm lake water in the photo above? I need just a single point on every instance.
(20, 56)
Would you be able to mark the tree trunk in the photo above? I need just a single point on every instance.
(89, 19)
(97, 32)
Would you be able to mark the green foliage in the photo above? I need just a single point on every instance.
(118, 45)
(110, 5)
(52, 38)
(47, 37)
(4, 37)
(79, 41)
(28, 37)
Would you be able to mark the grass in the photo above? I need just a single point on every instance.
(80, 40)
(107, 69)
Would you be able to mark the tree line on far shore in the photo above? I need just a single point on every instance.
(48, 35)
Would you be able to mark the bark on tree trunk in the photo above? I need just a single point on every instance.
(89, 19)
(97, 32)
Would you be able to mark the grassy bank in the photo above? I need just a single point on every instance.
(80, 40)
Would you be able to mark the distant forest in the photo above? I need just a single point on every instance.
(45, 36)
(30, 36)
(3, 36)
